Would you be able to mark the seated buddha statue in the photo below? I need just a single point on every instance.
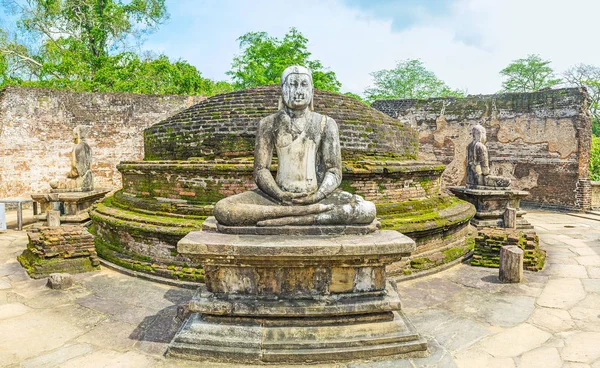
(79, 178)
(478, 166)
(309, 168)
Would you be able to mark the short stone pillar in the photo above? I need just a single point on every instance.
(511, 264)
(510, 218)
(53, 218)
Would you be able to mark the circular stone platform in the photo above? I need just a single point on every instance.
(204, 153)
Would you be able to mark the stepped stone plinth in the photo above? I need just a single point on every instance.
(302, 298)
(491, 205)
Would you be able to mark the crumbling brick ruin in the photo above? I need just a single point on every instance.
(35, 122)
(540, 140)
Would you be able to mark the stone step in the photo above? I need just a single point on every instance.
(200, 340)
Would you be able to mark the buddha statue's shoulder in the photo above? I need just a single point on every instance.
(480, 147)
(272, 121)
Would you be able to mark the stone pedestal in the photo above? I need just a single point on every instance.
(73, 206)
(491, 206)
(62, 249)
(303, 298)
(488, 243)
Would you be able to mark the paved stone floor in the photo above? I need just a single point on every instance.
(112, 320)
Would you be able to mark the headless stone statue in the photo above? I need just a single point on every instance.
(478, 166)
(307, 145)
(80, 178)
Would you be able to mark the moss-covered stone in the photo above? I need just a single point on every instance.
(40, 268)
(489, 241)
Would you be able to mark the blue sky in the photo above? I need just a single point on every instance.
(465, 42)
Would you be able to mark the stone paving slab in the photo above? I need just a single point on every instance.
(470, 319)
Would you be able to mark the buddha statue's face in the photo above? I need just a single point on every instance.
(297, 91)
(76, 138)
(479, 134)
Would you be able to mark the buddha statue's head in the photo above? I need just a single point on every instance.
(479, 134)
(80, 133)
(297, 87)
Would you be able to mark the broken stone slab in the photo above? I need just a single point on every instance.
(60, 281)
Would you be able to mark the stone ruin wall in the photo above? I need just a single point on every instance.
(36, 128)
(540, 140)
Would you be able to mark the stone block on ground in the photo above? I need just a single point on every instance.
(511, 264)
(60, 281)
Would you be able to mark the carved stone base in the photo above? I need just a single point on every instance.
(491, 206)
(330, 331)
(73, 206)
(303, 299)
(211, 224)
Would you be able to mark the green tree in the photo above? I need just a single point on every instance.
(354, 95)
(409, 79)
(595, 159)
(72, 39)
(158, 75)
(85, 45)
(588, 76)
(528, 75)
(263, 58)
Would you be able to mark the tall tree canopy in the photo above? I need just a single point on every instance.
(263, 58)
(588, 76)
(528, 75)
(73, 39)
(409, 79)
(88, 45)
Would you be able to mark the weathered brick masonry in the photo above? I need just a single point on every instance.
(59, 249)
(541, 140)
(36, 131)
(225, 126)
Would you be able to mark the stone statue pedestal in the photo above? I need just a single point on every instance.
(491, 205)
(73, 206)
(295, 299)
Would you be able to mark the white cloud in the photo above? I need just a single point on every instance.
(466, 47)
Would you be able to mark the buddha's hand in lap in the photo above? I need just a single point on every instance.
(308, 198)
(287, 198)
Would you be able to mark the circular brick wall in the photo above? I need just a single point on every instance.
(225, 126)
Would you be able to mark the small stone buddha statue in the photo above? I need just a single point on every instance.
(478, 166)
(80, 178)
(304, 191)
